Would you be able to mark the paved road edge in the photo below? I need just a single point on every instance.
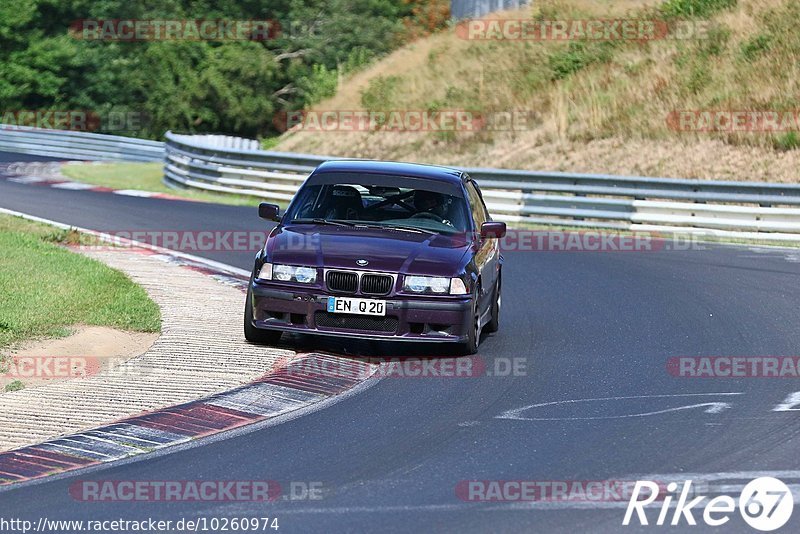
(288, 388)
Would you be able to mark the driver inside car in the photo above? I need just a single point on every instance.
(431, 205)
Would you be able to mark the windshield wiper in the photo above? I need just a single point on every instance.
(410, 228)
(365, 224)
(330, 222)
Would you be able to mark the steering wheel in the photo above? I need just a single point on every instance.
(427, 215)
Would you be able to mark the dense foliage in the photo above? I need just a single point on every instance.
(233, 86)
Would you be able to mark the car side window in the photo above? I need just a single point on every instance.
(479, 214)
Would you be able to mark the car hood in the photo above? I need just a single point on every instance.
(386, 250)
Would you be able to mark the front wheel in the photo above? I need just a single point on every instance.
(253, 334)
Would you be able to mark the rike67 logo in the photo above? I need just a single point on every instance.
(765, 504)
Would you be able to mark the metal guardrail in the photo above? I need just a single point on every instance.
(465, 9)
(748, 210)
(199, 162)
(78, 145)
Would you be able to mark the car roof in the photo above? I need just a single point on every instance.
(432, 172)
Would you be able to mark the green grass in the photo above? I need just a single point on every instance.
(787, 141)
(736, 55)
(578, 55)
(380, 93)
(46, 289)
(144, 177)
(695, 8)
(16, 385)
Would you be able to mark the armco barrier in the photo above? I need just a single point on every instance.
(78, 145)
(747, 210)
(729, 209)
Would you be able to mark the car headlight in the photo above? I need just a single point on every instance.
(434, 284)
(288, 273)
(457, 286)
(265, 273)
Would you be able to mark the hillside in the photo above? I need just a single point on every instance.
(597, 106)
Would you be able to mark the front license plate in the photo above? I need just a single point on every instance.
(357, 306)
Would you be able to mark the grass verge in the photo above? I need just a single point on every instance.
(620, 106)
(144, 177)
(46, 288)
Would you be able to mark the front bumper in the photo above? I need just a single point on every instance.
(407, 319)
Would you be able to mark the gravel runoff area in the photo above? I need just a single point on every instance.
(201, 351)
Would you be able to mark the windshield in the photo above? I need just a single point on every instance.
(413, 204)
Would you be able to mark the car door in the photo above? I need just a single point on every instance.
(487, 250)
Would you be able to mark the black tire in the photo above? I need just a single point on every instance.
(257, 335)
(470, 346)
(494, 324)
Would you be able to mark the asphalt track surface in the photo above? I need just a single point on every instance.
(587, 325)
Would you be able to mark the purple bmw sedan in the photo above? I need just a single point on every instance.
(379, 250)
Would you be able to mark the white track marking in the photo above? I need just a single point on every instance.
(469, 423)
(790, 404)
(727, 483)
(27, 179)
(711, 407)
(76, 186)
(134, 193)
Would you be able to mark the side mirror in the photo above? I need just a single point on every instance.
(493, 229)
(269, 212)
